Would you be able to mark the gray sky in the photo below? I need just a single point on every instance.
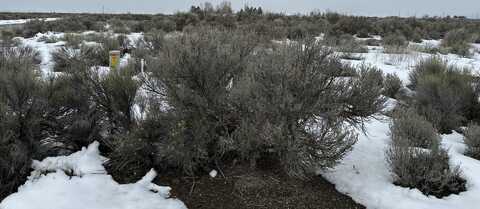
(469, 8)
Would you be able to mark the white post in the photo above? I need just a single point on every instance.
(142, 64)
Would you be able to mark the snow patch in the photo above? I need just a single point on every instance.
(23, 21)
(90, 187)
(364, 174)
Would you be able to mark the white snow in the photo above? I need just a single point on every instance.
(402, 64)
(89, 187)
(213, 173)
(23, 21)
(134, 37)
(45, 49)
(86, 161)
(375, 37)
(364, 174)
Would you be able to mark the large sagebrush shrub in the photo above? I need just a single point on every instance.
(230, 98)
(416, 159)
(298, 107)
(472, 140)
(21, 116)
(195, 70)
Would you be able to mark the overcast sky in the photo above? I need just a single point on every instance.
(469, 8)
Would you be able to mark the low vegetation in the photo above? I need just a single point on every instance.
(426, 169)
(392, 85)
(458, 42)
(395, 43)
(472, 140)
(217, 91)
(413, 130)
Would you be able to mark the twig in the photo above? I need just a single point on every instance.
(192, 188)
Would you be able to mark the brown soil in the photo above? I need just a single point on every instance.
(242, 188)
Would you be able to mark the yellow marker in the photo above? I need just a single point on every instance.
(114, 59)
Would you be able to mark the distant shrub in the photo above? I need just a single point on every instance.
(395, 43)
(430, 49)
(347, 44)
(458, 42)
(164, 24)
(48, 39)
(6, 37)
(155, 40)
(417, 36)
(372, 42)
(426, 67)
(363, 33)
(32, 27)
(297, 32)
(412, 129)
(69, 24)
(118, 26)
(391, 85)
(472, 140)
(72, 40)
(394, 40)
(444, 94)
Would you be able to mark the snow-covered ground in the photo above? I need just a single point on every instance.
(364, 174)
(45, 50)
(22, 21)
(402, 64)
(89, 187)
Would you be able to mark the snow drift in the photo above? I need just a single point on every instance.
(79, 181)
